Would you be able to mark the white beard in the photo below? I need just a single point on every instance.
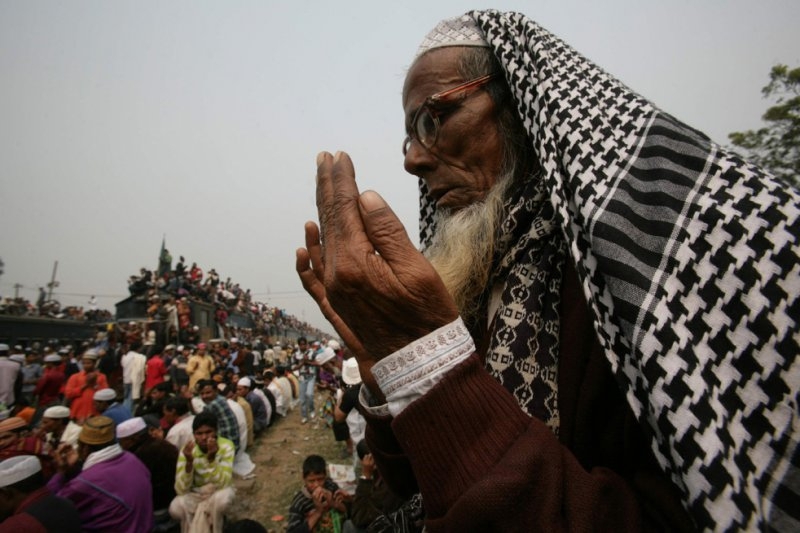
(462, 248)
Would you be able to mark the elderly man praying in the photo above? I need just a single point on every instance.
(601, 331)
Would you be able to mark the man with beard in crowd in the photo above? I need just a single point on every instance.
(603, 326)
(109, 486)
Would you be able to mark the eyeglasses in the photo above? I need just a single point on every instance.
(425, 124)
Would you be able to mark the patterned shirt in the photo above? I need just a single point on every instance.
(306, 370)
(227, 426)
(219, 471)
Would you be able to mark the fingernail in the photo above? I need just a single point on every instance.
(320, 158)
(337, 156)
(371, 201)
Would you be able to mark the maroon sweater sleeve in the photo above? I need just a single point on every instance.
(484, 465)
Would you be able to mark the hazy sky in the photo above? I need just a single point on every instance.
(124, 121)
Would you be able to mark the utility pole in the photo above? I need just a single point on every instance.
(17, 287)
(53, 283)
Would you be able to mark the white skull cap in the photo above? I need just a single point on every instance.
(457, 31)
(18, 468)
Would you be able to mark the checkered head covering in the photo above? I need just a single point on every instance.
(689, 260)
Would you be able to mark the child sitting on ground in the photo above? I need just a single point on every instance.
(320, 505)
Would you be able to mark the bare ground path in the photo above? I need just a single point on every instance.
(278, 454)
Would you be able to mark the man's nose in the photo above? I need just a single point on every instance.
(418, 159)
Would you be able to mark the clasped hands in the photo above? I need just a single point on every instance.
(370, 282)
(324, 500)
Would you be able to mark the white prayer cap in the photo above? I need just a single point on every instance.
(105, 395)
(52, 358)
(18, 468)
(350, 373)
(130, 427)
(457, 31)
(245, 382)
(91, 353)
(334, 344)
(17, 357)
(3, 347)
(327, 355)
(57, 411)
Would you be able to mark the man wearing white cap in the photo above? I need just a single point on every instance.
(106, 404)
(10, 378)
(80, 388)
(345, 409)
(27, 505)
(159, 456)
(58, 428)
(601, 326)
(244, 390)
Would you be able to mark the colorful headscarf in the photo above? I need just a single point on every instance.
(688, 258)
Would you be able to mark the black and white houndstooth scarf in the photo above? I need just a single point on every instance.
(688, 257)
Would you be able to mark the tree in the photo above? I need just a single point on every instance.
(776, 146)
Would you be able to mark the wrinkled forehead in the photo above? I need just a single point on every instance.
(433, 72)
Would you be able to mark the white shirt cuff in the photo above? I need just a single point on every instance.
(415, 369)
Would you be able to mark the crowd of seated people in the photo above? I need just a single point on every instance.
(178, 446)
(66, 411)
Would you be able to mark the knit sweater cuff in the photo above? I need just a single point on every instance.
(457, 432)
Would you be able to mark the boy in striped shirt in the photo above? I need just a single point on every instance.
(204, 478)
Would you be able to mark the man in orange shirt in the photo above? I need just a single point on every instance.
(81, 386)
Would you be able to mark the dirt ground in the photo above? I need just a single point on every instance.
(278, 454)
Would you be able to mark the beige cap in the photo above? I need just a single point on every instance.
(97, 430)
